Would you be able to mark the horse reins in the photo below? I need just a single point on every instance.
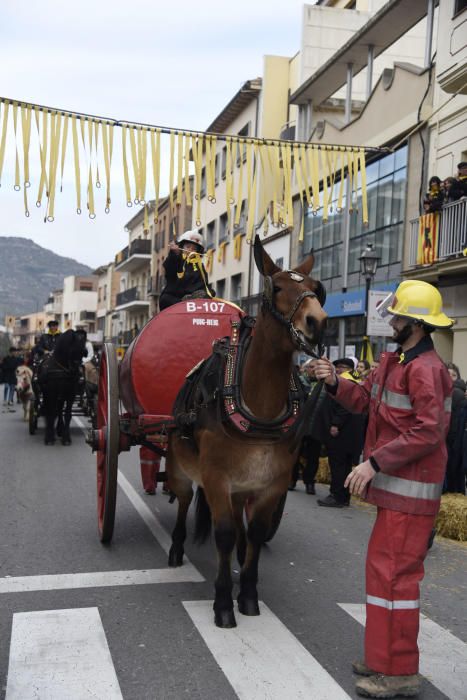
(287, 321)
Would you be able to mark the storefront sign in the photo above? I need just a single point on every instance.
(376, 324)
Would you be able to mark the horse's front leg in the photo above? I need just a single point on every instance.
(258, 529)
(225, 534)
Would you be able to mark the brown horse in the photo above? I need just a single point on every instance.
(230, 466)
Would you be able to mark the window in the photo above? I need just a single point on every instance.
(85, 286)
(223, 228)
(459, 6)
(99, 295)
(105, 292)
(236, 288)
(210, 234)
(242, 152)
(386, 186)
(203, 183)
(216, 170)
(220, 289)
(224, 162)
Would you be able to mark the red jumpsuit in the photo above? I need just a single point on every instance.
(408, 399)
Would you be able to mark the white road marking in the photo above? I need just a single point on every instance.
(443, 657)
(57, 654)
(97, 579)
(146, 513)
(262, 659)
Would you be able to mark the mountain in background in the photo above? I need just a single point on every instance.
(28, 273)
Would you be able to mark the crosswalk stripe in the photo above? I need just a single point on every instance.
(57, 654)
(98, 579)
(262, 659)
(443, 657)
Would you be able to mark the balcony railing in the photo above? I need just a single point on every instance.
(122, 255)
(140, 246)
(452, 233)
(129, 295)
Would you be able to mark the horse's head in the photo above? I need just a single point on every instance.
(294, 299)
(70, 349)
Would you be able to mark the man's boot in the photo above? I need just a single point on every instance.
(361, 669)
(381, 686)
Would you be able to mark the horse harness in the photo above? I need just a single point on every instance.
(216, 381)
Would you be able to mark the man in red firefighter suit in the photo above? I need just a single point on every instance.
(408, 399)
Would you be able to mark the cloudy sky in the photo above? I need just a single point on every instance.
(172, 64)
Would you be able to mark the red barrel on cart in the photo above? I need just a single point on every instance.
(167, 348)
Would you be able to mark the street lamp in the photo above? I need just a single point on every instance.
(368, 265)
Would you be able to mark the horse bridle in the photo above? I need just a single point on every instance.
(287, 321)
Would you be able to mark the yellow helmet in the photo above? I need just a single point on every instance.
(420, 301)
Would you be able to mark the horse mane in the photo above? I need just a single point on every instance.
(69, 348)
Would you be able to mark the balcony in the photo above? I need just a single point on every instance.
(134, 256)
(132, 299)
(452, 235)
(87, 316)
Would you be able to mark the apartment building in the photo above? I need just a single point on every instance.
(79, 305)
(132, 302)
(108, 285)
(25, 329)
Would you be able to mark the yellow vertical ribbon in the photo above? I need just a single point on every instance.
(342, 180)
(324, 165)
(96, 141)
(298, 172)
(264, 199)
(179, 167)
(134, 160)
(156, 168)
(305, 176)
(6, 107)
(252, 162)
(350, 176)
(238, 208)
(212, 166)
(171, 173)
(197, 148)
(90, 203)
(361, 156)
(228, 180)
(64, 143)
(186, 177)
(238, 246)
(55, 127)
(74, 131)
(126, 176)
(26, 114)
(143, 143)
(15, 125)
(355, 160)
(107, 147)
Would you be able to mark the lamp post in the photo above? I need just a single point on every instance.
(368, 265)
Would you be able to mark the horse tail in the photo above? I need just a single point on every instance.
(203, 520)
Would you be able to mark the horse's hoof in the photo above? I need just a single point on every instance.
(175, 557)
(225, 619)
(248, 606)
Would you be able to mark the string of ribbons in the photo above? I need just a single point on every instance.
(261, 175)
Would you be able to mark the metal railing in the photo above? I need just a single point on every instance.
(140, 246)
(129, 295)
(87, 316)
(452, 233)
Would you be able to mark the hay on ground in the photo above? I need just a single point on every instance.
(323, 475)
(452, 517)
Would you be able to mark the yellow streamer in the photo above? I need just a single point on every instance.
(74, 129)
(197, 147)
(238, 208)
(55, 127)
(361, 156)
(107, 147)
(342, 182)
(179, 168)
(15, 124)
(64, 142)
(324, 165)
(126, 176)
(171, 173)
(143, 148)
(221, 252)
(90, 203)
(26, 131)
(134, 159)
(186, 178)
(156, 169)
(238, 246)
(96, 140)
(3, 137)
(298, 171)
(251, 162)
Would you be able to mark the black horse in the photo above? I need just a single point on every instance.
(59, 377)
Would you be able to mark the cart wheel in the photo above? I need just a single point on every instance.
(107, 454)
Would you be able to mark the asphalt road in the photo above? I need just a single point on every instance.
(122, 627)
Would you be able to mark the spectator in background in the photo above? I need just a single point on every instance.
(9, 366)
(375, 364)
(308, 459)
(363, 369)
(435, 196)
(453, 190)
(455, 476)
(462, 177)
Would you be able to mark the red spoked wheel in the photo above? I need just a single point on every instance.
(108, 428)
